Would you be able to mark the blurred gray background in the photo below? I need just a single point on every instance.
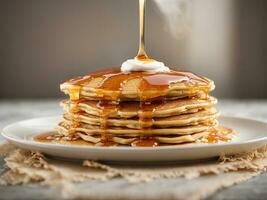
(44, 42)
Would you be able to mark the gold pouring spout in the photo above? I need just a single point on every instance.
(141, 55)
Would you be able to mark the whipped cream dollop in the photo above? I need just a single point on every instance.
(150, 65)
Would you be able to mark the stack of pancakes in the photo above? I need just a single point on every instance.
(110, 107)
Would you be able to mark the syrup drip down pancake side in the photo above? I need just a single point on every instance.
(110, 108)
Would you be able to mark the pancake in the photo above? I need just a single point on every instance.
(65, 127)
(173, 121)
(132, 109)
(162, 140)
(214, 135)
(112, 84)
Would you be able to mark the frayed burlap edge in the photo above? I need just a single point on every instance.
(27, 167)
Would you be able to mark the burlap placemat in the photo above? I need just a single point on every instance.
(193, 180)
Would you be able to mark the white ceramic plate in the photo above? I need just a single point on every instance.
(253, 134)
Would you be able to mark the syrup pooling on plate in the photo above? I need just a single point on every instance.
(217, 136)
(145, 141)
(55, 137)
(48, 137)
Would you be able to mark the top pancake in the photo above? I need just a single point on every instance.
(112, 84)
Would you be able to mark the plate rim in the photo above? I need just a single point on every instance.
(114, 148)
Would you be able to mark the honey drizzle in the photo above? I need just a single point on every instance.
(106, 109)
(74, 86)
(145, 114)
(114, 84)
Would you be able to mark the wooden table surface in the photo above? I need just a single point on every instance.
(14, 110)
